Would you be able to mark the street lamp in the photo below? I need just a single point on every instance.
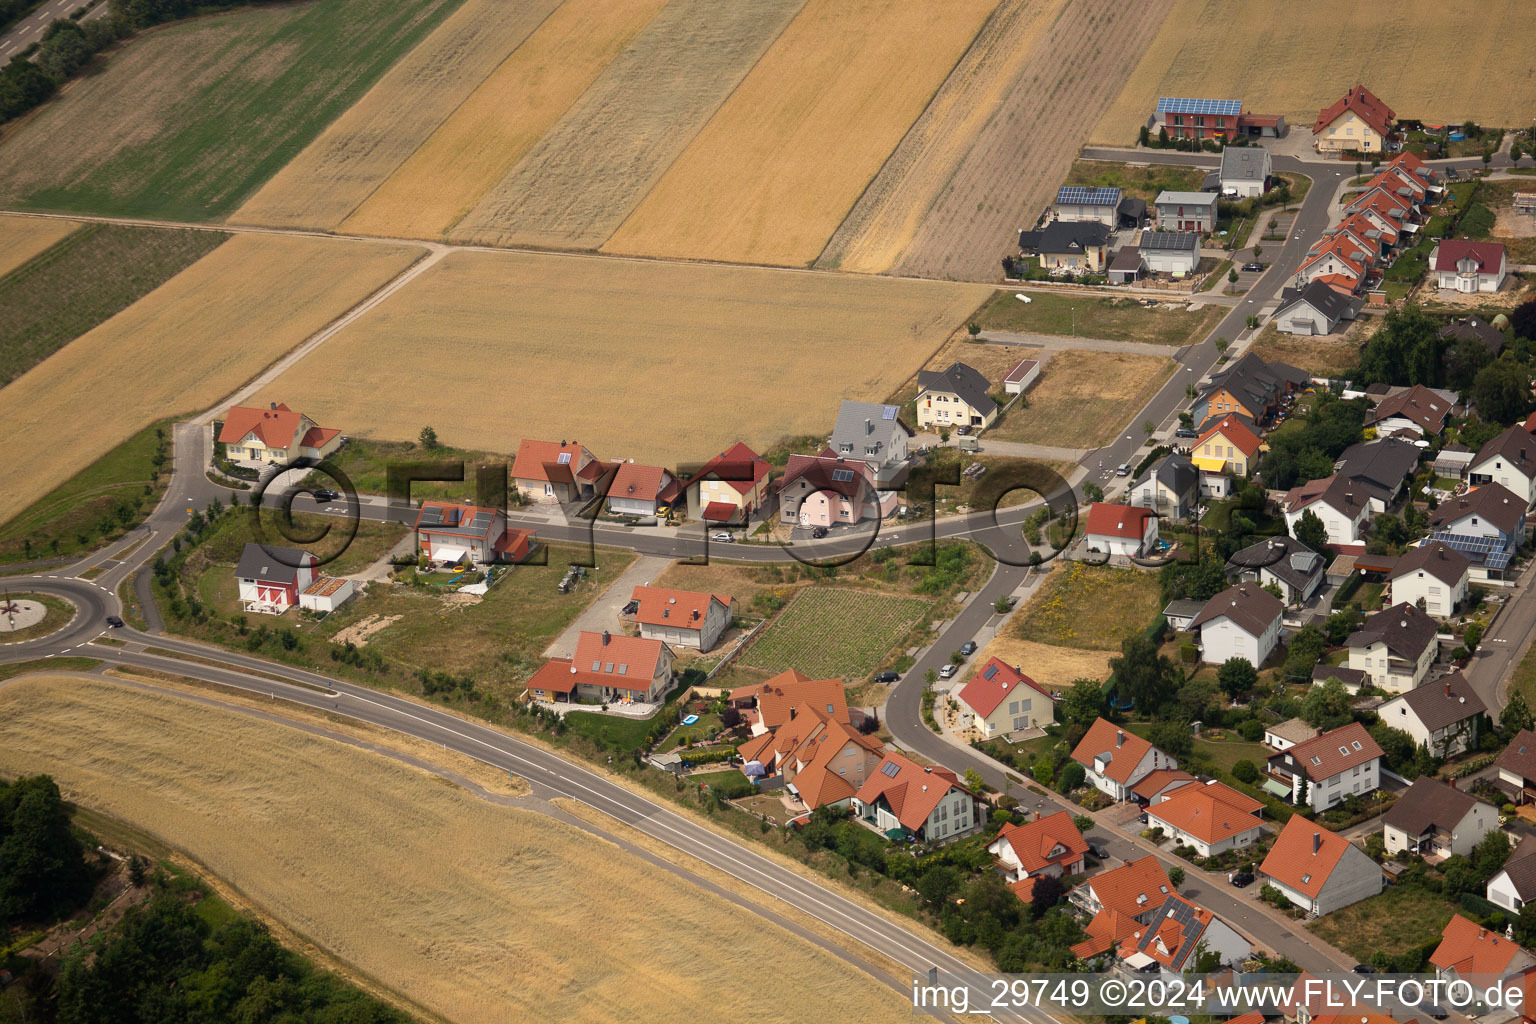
(1074, 320)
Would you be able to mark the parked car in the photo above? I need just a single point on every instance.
(887, 676)
(1186, 432)
(963, 429)
(1124, 469)
(948, 671)
(325, 494)
(1253, 268)
(1242, 879)
(1436, 1011)
(1363, 969)
(819, 532)
(114, 622)
(1099, 850)
(723, 537)
(968, 648)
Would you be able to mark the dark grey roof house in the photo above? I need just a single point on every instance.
(1284, 561)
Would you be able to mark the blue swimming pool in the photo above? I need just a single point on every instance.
(690, 719)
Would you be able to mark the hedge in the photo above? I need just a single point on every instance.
(706, 755)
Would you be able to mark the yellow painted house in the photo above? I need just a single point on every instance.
(1227, 449)
(1359, 122)
(954, 397)
(275, 435)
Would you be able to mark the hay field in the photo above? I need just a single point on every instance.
(214, 326)
(1047, 664)
(284, 816)
(496, 125)
(996, 141)
(1294, 57)
(1085, 398)
(21, 238)
(778, 167)
(369, 142)
(660, 362)
(580, 181)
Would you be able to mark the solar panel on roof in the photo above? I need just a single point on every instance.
(564, 458)
(889, 413)
(990, 672)
(1083, 195)
(890, 768)
(1191, 105)
(842, 475)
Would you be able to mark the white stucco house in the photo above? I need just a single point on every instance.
(1330, 768)
(1466, 266)
(1120, 529)
(1116, 759)
(1394, 648)
(1508, 460)
(1240, 622)
(1433, 573)
(1318, 870)
(1444, 715)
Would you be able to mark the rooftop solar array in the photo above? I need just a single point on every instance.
(890, 768)
(888, 413)
(842, 475)
(1476, 548)
(1083, 195)
(1185, 105)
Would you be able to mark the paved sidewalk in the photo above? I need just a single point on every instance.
(603, 612)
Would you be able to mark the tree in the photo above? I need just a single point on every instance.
(1144, 137)
(1515, 153)
(1082, 703)
(1472, 636)
(1487, 157)
(1245, 771)
(1515, 716)
(1172, 738)
(938, 884)
(1092, 491)
(1236, 677)
(1389, 529)
(1522, 320)
(1147, 426)
(1221, 345)
(1406, 350)
(1070, 777)
(1326, 706)
(1309, 529)
(1176, 876)
(973, 781)
(1489, 855)
(1232, 276)
(1162, 138)
(42, 865)
(427, 438)
(1258, 251)
(730, 718)
(1306, 649)
(974, 328)
(1501, 391)
(1141, 674)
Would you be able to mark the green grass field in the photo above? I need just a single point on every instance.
(1398, 919)
(1143, 182)
(188, 121)
(87, 506)
(1091, 317)
(366, 464)
(867, 626)
(1091, 607)
(80, 282)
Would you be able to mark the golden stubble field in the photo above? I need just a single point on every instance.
(1084, 398)
(777, 168)
(22, 238)
(475, 911)
(1294, 57)
(333, 175)
(660, 362)
(182, 347)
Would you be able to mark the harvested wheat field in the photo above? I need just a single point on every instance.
(778, 167)
(501, 119)
(21, 238)
(580, 181)
(1047, 664)
(660, 362)
(214, 326)
(368, 143)
(496, 930)
(1294, 57)
(1084, 398)
(996, 141)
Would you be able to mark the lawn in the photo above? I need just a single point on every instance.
(1087, 316)
(1400, 918)
(698, 732)
(1142, 182)
(1090, 606)
(366, 464)
(1523, 680)
(109, 496)
(80, 282)
(1083, 399)
(1225, 753)
(867, 625)
(187, 121)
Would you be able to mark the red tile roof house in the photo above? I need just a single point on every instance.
(1177, 929)
(274, 436)
(730, 487)
(1358, 122)
(449, 533)
(544, 471)
(606, 668)
(1119, 902)
(271, 578)
(682, 618)
(823, 761)
(1125, 530)
(1005, 700)
(636, 490)
(1318, 870)
(1469, 267)
(1051, 845)
(1116, 760)
(1212, 818)
(927, 802)
(1159, 785)
(1472, 953)
(769, 704)
(824, 490)
(1325, 770)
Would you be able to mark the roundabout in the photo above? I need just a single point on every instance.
(20, 613)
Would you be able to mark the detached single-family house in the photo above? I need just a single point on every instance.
(1417, 410)
(1180, 612)
(1118, 902)
(1170, 487)
(1120, 529)
(1157, 786)
(1226, 449)
(786, 715)
(1394, 647)
(956, 396)
(1186, 211)
(1288, 733)
(1049, 846)
(544, 471)
(1021, 375)
(1433, 576)
(1240, 622)
(1212, 818)
(636, 490)
(1508, 460)
(1470, 952)
(1326, 769)
(730, 487)
(1283, 561)
(1251, 388)
(449, 534)
(1085, 203)
(902, 797)
(1245, 171)
(1336, 260)
(606, 668)
(274, 436)
(681, 618)
(1315, 309)
(1514, 885)
(1434, 819)
(827, 489)
(1169, 252)
(1343, 505)
(1005, 700)
(270, 578)
(1382, 467)
(1172, 935)
(1116, 760)
(1469, 267)
(1318, 870)
(1188, 117)
(1516, 767)
(872, 433)
(1445, 715)
(1358, 122)
(1475, 328)
(1081, 246)
(1486, 524)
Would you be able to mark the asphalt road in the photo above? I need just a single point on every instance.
(30, 29)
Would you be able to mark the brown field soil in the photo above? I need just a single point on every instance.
(1321, 357)
(21, 238)
(950, 200)
(1083, 398)
(654, 361)
(579, 182)
(777, 168)
(369, 833)
(1047, 664)
(214, 326)
(334, 174)
(502, 119)
(1294, 58)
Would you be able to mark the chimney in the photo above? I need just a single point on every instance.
(1317, 841)
(1447, 687)
(1119, 737)
(605, 638)
(791, 712)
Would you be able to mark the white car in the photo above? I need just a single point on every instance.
(948, 672)
(723, 538)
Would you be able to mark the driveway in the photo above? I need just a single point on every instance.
(603, 612)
